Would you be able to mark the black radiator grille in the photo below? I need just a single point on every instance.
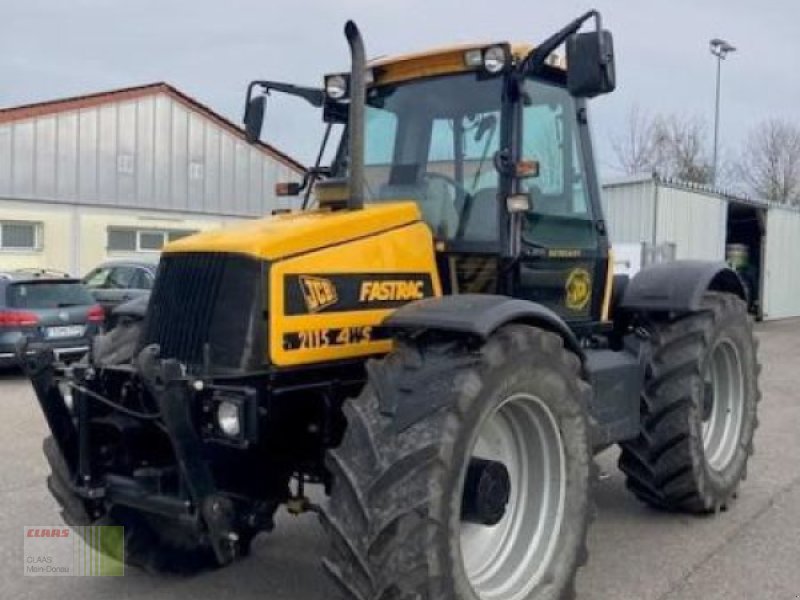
(209, 299)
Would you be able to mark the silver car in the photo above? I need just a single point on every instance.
(118, 281)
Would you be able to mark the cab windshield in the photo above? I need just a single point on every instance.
(433, 142)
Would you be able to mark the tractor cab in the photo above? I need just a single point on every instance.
(491, 142)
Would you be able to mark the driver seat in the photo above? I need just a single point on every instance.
(481, 223)
(436, 208)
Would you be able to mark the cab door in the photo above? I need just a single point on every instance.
(564, 252)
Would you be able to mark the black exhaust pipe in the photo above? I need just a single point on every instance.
(358, 94)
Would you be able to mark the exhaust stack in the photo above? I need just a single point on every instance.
(358, 93)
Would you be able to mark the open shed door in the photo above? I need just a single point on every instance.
(782, 264)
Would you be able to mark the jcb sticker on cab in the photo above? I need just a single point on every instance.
(578, 289)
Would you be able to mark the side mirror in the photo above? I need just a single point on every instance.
(590, 64)
(254, 118)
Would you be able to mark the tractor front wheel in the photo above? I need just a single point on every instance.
(463, 473)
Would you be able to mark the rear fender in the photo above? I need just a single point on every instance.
(679, 286)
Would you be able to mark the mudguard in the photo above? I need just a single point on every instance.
(479, 315)
(679, 286)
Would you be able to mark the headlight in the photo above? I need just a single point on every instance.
(228, 415)
(494, 59)
(336, 87)
(66, 393)
(229, 418)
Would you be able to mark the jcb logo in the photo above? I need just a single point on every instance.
(318, 292)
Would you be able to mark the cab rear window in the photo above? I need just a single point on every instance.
(40, 294)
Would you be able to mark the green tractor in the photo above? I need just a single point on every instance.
(439, 342)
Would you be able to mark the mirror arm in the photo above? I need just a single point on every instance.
(314, 96)
(536, 58)
(313, 173)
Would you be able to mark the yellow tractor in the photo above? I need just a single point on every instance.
(438, 339)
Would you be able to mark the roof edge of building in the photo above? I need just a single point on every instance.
(629, 179)
(51, 107)
(699, 188)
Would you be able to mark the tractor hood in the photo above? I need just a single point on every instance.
(285, 235)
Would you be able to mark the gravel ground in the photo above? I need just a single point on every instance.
(750, 552)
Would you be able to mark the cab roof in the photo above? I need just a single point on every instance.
(439, 61)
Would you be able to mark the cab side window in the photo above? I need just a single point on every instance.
(561, 213)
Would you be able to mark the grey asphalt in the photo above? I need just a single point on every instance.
(750, 552)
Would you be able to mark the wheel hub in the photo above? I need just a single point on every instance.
(514, 495)
(487, 488)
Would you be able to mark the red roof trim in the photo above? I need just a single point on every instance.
(30, 111)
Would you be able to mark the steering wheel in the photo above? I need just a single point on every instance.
(458, 189)
(461, 201)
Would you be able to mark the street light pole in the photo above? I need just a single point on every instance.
(720, 49)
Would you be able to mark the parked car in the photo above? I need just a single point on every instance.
(114, 282)
(50, 310)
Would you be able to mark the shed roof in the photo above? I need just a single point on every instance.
(698, 188)
(29, 111)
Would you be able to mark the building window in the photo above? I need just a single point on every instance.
(195, 170)
(20, 235)
(177, 234)
(125, 164)
(142, 240)
(123, 240)
(151, 240)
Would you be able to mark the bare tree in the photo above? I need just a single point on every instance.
(769, 165)
(685, 155)
(636, 149)
(672, 146)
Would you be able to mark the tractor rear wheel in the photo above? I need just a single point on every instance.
(463, 473)
(698, 409)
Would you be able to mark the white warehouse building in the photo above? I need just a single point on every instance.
(761, 239)
(117, 174)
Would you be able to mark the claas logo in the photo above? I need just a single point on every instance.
(318, 292)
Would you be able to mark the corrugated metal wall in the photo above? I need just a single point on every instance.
(644, 210)
(694, 222)
(629, 211)
(151, 152)
(782, 265)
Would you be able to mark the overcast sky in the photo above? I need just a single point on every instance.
(211, 50)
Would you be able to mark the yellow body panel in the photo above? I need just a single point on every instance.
(404, 254)
(288, 234)
(422, 64)
(606, 311)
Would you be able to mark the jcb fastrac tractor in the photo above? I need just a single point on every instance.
(437, 339)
